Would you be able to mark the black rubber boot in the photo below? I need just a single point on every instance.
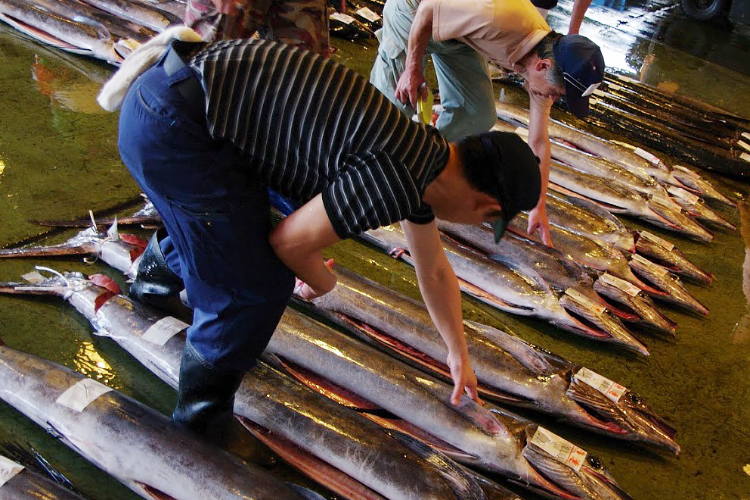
(155, 283)
(205, 403)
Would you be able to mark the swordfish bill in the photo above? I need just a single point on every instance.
(506, 285)
(509, 370)
(139, 446)
(490, 438)
(336, 435)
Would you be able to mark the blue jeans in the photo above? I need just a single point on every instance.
(466, 92)
(216, 214)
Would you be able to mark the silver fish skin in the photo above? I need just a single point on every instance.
(108, 246)
(64, 33)
(697, 207)
(334, 434)
(693, 181)
(506, 285)
(30, 485)
(561, 273)
(589, 219)
(660, 276)
(492, 439)
(155, 19)
(139, 446)
(668, 255)
(509, 369)
(626, 293)
(674, 213)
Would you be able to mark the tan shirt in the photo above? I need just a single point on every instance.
(503, 31)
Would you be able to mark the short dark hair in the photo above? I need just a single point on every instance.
(545, 49)
(501, 165)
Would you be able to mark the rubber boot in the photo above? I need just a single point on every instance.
(155, 283)
(205, 403)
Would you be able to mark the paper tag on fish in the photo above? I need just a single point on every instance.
(599, 92)
(163, 330)
(8, 469)
(620, 284)
(667, 203)
(687, 171)
(368, 14)
(647, 156)
(612, 390)
(746, 135)
(659, 241)
(745, 156)
(685, 195)
(743, 145)
(613, 86)
(656, 268)
(587, 302)
(82, 393)
(33, 277)
(338, 16)
(564, 451)
(522, 132)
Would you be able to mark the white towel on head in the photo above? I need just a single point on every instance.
(113, 92)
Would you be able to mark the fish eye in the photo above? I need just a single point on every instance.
(594, 462)
(635, 398)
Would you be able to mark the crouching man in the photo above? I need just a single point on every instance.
(207, 128)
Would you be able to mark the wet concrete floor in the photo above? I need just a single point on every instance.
(58, 159)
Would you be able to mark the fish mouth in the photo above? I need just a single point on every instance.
(626, 415)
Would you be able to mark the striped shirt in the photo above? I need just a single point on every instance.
(310, 125)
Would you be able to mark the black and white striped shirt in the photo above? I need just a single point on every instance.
(311, 125)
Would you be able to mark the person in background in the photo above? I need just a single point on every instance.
(301, 23)
(206, 158)
(576, 15)
(461, 36)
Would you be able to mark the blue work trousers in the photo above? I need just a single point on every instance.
(216, 214)
(466, 93)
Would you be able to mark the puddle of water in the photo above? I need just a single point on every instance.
(58, 159)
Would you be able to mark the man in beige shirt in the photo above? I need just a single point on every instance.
(462, 36)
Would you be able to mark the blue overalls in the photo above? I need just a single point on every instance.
(216, 214)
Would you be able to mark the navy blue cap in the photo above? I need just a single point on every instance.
(582, 65)
(517, 170)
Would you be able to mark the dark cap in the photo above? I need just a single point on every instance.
(517, 170)
(582, 66)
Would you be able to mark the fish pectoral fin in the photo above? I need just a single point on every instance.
(153, 492)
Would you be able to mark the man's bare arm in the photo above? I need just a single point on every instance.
(576, 16)
(441, 293)
(539, 111)
(410, 82)
(298, 241)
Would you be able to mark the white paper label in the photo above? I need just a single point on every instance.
(646, 155)
(368, 14)
(585, 301)
(82, 393)
(746, 135)
(33, 277)
(744, 145)
(338, 16)
(564, 451)
(163, 330)
(619, 283)
(667, 203)
(612, 390)
(522, 132)
(613, 86)
(8, 469)
(659, 241)
(656, 268)
(599, 92)
(745, 156)
(685, 195)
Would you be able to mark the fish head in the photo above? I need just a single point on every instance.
(574, 472)
(624, 411)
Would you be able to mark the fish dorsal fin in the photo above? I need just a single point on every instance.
(113, 232)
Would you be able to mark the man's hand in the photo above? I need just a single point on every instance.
(411, 86)
(538, 220)
(226, 6)
(305, 291)
(463, 379)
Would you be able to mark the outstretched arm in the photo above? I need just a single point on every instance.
(441, 293)
(539, 110)
(410, 82)
(577, 15)
(298, 241)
